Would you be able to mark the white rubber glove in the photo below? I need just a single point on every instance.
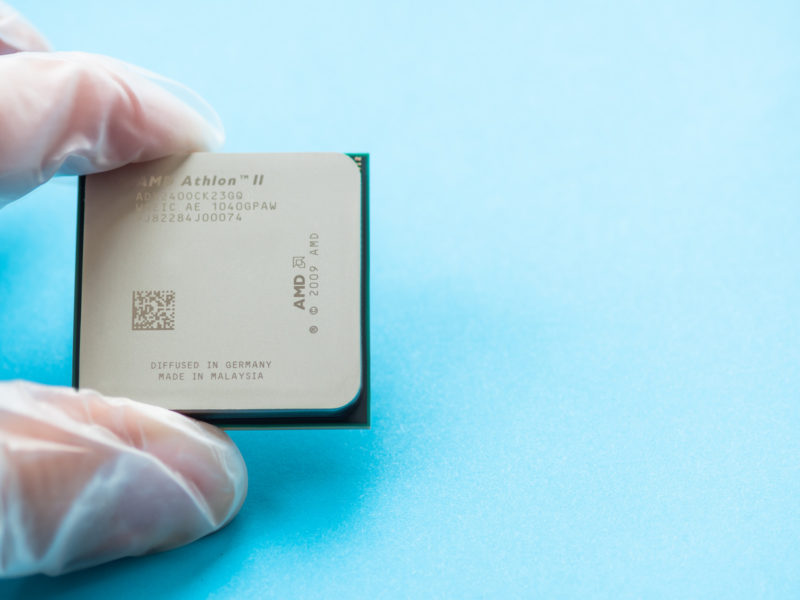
(86, 479)
(75, 113)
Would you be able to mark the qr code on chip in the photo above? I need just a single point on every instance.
(153, 310)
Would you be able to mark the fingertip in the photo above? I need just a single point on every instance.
(209, 124)
(130, 114)
(223, 480)
(75, 113)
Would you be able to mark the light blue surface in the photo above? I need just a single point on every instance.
(585, 296)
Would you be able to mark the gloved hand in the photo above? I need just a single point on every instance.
(86, 479)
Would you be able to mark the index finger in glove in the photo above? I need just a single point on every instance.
(77, 113)
(86, 479)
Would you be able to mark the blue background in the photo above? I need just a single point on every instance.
(585, 295)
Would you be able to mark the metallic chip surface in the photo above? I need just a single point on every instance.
(227, 286)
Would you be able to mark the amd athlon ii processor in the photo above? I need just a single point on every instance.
(230, 287)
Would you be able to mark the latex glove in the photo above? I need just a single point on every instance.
(86, 479)
(76, 113)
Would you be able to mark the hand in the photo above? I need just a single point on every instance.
(86, 479)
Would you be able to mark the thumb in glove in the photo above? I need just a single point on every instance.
(86, 479)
